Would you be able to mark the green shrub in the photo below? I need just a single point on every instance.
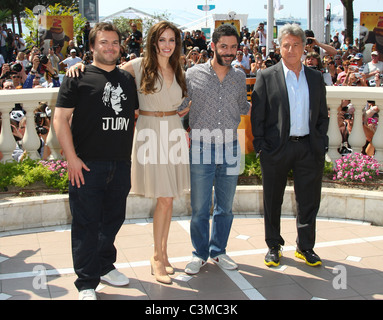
(52, 173)
(253, 167)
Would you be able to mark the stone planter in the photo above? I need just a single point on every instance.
(53, 210)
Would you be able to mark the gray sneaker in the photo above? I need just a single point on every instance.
(115, 278)
(88, 294)
(194, 266)
(225, 262)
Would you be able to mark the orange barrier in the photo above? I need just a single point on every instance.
(249, 86)
(246, 143)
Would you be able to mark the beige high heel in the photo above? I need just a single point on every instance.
(169, 270)
(165, 279)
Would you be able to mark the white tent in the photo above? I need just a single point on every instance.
(128, 13)
(184, 20)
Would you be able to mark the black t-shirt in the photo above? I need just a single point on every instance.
(137, 36)
(103, 116)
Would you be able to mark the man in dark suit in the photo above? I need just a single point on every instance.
(289, 122)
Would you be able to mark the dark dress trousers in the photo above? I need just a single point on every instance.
(280, 153)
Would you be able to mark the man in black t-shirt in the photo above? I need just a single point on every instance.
(94, 122)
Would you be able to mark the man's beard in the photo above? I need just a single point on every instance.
(220, 60)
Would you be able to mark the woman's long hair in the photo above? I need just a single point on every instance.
(150, 62)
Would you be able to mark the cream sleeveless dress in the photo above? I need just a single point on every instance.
(160, 156)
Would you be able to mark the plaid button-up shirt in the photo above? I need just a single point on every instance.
(216, 108)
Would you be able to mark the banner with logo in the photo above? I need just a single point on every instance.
(371, 32)
(55, 31)
(235, 23)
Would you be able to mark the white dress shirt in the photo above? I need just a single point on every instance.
(299, 100)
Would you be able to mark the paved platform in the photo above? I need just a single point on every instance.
(36, 264)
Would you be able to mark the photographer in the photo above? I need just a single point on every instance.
(345, 122)
(203, 57)
(134, 40)
(43, 122)
(261, 35)
(51, 82)
(88, 58)
(192, 58)
(18, 43)
(199, 40)
(14, 72)
(187, 43)
(370, 124)
(41, 64)
(274, 56)
(18, 124)
(354, 78)
(11, 56)
(3, 41)
(378, 81)
(313, 45)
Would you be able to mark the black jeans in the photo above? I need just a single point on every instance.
(98, 211)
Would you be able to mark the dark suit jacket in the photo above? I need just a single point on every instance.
(270, 114)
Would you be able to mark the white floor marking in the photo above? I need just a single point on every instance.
(235, 276)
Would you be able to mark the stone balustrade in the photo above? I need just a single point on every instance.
(29, 98)
(357, 138)
(53, 210)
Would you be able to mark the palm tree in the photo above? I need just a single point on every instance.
(5, 15)
(349, 5)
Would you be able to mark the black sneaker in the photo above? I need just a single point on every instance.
(311, 258)
(272, 256)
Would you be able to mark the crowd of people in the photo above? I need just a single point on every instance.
(341, 62)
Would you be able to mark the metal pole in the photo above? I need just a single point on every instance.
(308, 14)
(270, 25)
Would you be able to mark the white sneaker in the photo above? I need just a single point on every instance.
(225, 262)
(88, 294)
(194, 266)
(115, 278)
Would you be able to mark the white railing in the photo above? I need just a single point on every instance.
(357, 138)
(30, 98)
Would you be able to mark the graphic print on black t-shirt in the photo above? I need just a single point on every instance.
(112, 97)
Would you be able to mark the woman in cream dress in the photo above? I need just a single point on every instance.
(160, 156)
(160, 151)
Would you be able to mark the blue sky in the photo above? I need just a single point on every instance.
(255, 8)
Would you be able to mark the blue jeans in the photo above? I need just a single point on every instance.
(218, 166)
(98, 211)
